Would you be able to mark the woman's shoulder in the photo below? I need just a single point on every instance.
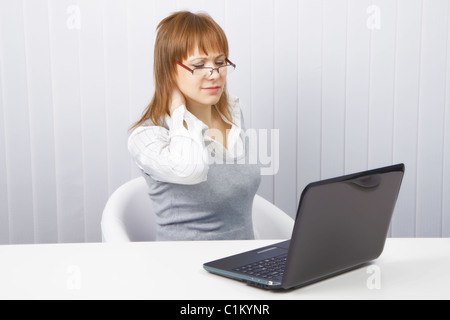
(148, 131)
(149, 125)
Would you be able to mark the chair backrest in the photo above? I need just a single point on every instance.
(128, 216)
(269, 221)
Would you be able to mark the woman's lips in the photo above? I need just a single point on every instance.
(212, 89)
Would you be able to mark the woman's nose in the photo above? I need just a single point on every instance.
(214, 74)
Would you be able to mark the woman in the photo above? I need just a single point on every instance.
(189, 142)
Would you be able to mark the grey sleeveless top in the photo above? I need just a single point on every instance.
(219, 208)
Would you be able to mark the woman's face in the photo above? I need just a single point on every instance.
(202, 88)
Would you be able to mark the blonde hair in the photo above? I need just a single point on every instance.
(178, 36)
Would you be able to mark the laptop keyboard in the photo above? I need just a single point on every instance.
(270, 269)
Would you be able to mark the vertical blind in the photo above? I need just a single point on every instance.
(349, 85)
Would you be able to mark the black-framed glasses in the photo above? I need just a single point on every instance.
(203, 72)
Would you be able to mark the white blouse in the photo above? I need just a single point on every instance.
(174, 154)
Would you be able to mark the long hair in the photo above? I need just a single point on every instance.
(178, 35)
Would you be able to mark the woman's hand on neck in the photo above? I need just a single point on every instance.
(177, 100)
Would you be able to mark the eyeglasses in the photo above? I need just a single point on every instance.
(203, 72)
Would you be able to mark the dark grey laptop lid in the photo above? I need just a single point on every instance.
(341, 223)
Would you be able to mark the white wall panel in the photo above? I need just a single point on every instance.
(191, 5)
(406, 104)
(239, 38)
(431, 125)
(64, 23)
(93, 116)
(357, 87)
(309, 92)
(42, 135)
(262, 87)
(446, 152)
(4, 211)
(446, 156)
(16, 122)
(117, 91)
(334, 63)
(285, 105)
(381, 94)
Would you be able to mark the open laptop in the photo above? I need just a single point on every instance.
(341, 224)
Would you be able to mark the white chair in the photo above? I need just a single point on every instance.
(128, 216)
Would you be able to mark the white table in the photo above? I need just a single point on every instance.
(407, 269)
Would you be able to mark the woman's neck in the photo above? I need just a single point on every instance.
(202, 112)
